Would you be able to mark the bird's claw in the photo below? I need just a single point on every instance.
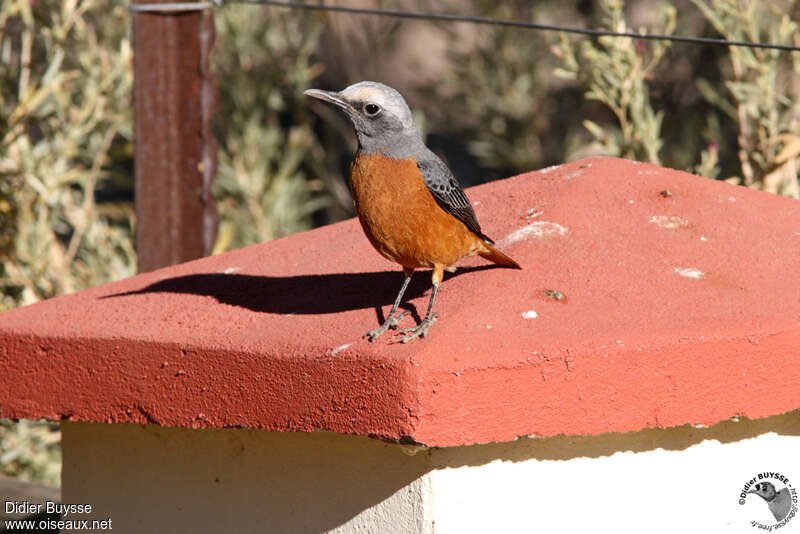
(391, 322)
(421, 330)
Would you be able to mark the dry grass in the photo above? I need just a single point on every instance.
(762, 94)
(615, 72)
(66, 107)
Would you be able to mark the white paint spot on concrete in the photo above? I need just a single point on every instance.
(530, 314)
(412, 450)
(690, 272)
(551, 168)
(630, 201)
(669, 221)
(340, 348)
(230, 270)
(532, 213)
(476, 203)
(536, 230)
(489, 326)
(731, 199)
(703, 238)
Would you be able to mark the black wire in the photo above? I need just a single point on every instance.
(514, 23)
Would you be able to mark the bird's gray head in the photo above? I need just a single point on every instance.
(380, 115)
(766, 490)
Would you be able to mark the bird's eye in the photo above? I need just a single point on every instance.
(372, 109)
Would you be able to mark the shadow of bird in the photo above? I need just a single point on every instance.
(779, 502)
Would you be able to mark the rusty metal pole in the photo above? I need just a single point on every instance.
(176, 153)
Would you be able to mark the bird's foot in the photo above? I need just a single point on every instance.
(391, 322)
(420, 330)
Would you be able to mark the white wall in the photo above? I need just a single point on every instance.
(695, 489)
(152, 479)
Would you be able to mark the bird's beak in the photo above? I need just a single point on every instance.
(331, 97)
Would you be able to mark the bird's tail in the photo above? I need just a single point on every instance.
(495, 256)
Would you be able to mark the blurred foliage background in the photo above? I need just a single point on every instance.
(492, 101)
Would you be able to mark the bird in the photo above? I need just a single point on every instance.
(410, 205)
(779, 502)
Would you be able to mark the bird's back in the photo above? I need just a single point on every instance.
(781, 504)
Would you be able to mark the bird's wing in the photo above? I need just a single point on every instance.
(448, 194)
(781, 505)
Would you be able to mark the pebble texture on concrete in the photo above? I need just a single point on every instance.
(648, 298)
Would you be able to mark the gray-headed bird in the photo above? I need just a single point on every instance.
(410, 205)
(779, 502)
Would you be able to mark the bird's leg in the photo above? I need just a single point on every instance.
(422, 328)
(393, 318)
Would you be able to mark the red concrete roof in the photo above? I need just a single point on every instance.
(680, 305)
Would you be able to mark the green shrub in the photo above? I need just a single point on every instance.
(65, 110)
(615, 71)
(761, 96)
(31, 450)
(762, 92)
(272, 178)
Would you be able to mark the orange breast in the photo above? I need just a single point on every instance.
(401, 218)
